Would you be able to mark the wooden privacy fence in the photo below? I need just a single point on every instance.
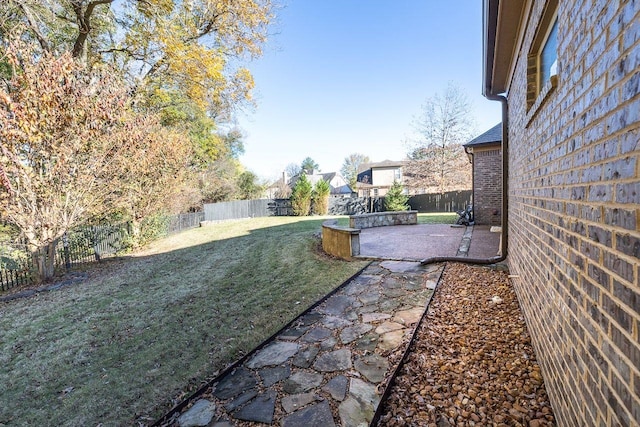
(239, 209)
(451, 201)
(79, 246)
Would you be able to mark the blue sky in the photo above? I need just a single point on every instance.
(350, 76)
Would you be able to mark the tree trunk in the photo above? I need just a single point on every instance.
(44, 259)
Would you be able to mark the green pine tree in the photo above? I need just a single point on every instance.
(301, 196)
(395, 199)
(320, 197)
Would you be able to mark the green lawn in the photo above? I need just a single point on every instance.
(437, 218)
(141, 333)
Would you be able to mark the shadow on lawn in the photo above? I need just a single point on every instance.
(126, 339)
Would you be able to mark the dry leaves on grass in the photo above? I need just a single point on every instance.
(472, 362)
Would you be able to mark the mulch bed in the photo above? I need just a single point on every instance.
(472, 362)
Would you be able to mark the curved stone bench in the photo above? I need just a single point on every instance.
(344, 242)
(382, 219)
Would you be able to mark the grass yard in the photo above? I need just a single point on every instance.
(142, 332)
(437, 218)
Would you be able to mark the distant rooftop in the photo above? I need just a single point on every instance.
(492, 135)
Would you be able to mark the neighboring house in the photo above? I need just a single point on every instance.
(375, 179)
(568, 76)
(339, 185)
(484, 152)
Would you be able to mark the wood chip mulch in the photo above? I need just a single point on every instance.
(472, 362)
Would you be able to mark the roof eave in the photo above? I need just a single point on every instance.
(501, 25)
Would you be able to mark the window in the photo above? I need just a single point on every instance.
(397, 175)
(549, 55)
(542, 66)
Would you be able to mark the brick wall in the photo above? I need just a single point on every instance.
(487, 185)
(574, 212)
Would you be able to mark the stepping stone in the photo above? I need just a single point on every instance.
(270, 376)
(431, 284)
(333, 361)
(368, 342)
(373, 367)
(409, 317)
(413, 285)
(305, 357)
(296, 401)
(221, 423)
(369, 298)
(294, 333)
(318, 415)
(336, 304)
(334, 322)
(391, 283)
(357, 286)
(337, 387)
(241, 400)
(374, 317)
(394, 293)
(364, 392)
(260, 409)
(316, 334)
(200, 414)
(400, 266)
(388, 327)
(275, 353)
(351, 313)
(300, 382)
(309, 318)
(352, 333)
(368, 309)
(391, 340)
(354, 413)
(234, 383)
(389, 305)
(329, 343)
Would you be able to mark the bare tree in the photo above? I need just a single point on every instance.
(437, 161)
(292, 169)
(350, 167)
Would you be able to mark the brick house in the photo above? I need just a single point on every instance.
(485, 155)
(568, 76)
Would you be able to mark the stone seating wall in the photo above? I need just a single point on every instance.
(382, 219)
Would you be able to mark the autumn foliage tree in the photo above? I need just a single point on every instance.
(72, 148)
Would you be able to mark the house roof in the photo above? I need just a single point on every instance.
(491, 136)
(382, 164)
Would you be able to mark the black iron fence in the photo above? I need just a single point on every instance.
(79, 246)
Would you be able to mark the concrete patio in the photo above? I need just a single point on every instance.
(418, 242)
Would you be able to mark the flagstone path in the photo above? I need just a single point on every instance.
(331, 366)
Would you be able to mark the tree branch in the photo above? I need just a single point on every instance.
(84, 23)
(34, 27)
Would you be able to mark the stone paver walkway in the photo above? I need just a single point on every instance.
(330, 367)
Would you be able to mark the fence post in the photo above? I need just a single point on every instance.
(65, 246)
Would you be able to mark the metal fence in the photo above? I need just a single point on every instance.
(79, 246)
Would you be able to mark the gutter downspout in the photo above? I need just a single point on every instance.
(505, 181)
